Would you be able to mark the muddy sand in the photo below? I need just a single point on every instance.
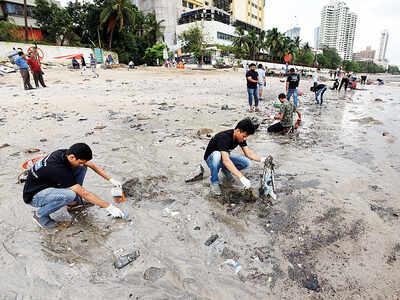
(332, 233)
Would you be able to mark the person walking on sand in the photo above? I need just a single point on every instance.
(319, 90)
(262, 80)
(56, 181)
(36, 70)
(93, 65)
(23, 67)
(252, 84)
(285, 116)
(292, 83)
(83, 64)
(217, 155)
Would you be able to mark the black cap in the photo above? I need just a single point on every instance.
(282, 96)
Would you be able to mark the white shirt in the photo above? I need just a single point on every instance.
(261, 74)
(315, 76)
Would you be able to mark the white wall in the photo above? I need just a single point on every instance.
(50, 53)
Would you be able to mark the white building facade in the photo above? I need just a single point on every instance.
(293, 33)
(316, 37)
(337, 30)
(383, 45)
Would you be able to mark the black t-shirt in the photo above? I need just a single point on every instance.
(293, 80)
(83, 62)
(222, 141)
(52, 171)
(319, 87)
(254, 76)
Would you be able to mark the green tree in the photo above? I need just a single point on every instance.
(333, 58)
(275, 44)
(239, 43)
(393, 70)
(252, 44)
(154, 53)
(194, 41)
(304, 56)
(8, 31)
(116, 12)
(153, 28)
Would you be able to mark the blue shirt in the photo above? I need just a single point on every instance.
(21, 63)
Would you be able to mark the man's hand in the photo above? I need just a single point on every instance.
(115, 211)
(115, 183)
(263, 158)
(246, 183)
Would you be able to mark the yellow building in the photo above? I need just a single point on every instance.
(248, 11)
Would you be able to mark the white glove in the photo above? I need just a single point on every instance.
(246, 183)
(115, 183)
(115, 211)
(263, 158)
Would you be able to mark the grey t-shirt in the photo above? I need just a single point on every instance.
(261, 74)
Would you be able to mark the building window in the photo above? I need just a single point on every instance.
(184, 4)
(190, 5)
(17, 9)
(224, 36)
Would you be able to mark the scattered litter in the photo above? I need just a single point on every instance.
(167, 212)
(196, 175)
(385, 133)
(124, 260)
(82, 119)
(100, 127)
(118, 195)
(211, 240)
(43, 140)
(154, 273)
(396, 214)
(236, 266)
(4, 146)
(32, 150)
(378, 100)
(143, 118)
(260, 255)
(196, 228)
(203, 131)
(311, 283)
(225, 107)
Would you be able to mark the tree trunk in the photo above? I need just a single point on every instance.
(111, 37)
(26, 20)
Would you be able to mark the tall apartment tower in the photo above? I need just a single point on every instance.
(166, 10)
(316, 37)
(383, 45)
(337, 30)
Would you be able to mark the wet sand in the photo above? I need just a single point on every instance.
(337, 185)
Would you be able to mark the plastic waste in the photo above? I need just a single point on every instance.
(126, 259)
(211, 240)
(215, 250)
(118, 195)
(236, 266)
(167, 212)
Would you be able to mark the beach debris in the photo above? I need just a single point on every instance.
(167, 212)
(260, 255)
(385, 133)
(249, 195)
(32, 150)
(378, 100)
(99, 127)
(196, 175)
(126, 259)
(311, 283)
(367, 120)
(43, 140)
(396, 214)
(225, 107)
(236, 266)
(143, 118)
(153, 273)
(196, 228)
(204, 131)
(4, 146)
(256, 122)
(118, 195)
(211, 239)
(82, 119)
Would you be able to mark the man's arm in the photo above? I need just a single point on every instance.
(88, 196)
(287, 87)
(98, 170)
(251, 79)
(249, 154)
(229, 164)
(279, 117)
(298, 114)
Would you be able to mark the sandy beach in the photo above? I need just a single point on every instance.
(336, 217)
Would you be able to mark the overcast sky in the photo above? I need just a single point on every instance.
(373, 17)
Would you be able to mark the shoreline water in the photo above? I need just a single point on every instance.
(336, 183)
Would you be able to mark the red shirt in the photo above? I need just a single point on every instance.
(34, 64)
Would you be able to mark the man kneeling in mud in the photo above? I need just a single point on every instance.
(56, 181)
(217, 155)
(286, 116)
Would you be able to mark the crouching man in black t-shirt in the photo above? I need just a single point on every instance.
(217, 155)
(56, 181)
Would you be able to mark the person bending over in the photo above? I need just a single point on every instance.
(56, 181)
(285, 116)
(319, 90)
(217, 155)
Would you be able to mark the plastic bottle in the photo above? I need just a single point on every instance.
(126, 259)
(215, 250)
(236, 266)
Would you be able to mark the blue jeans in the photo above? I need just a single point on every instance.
(294, 93)
(320, 92)
(251, 93)
(52, 199)
(214, 162)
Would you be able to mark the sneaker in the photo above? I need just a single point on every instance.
(215, 189)
(44, 222)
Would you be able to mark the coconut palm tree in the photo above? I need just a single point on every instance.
(153, 28)
(275, 43)
(239, 43)
(252, 42)
(117, 12)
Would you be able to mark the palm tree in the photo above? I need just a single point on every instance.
(252, 42)
(153, 28)
(239, 43)
(275, 43)
(116, 11)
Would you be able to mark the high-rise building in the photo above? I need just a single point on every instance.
(167, 11)
(293, 33)
(316, 37)
(337, 30)
(383, 45)
(366, 55)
